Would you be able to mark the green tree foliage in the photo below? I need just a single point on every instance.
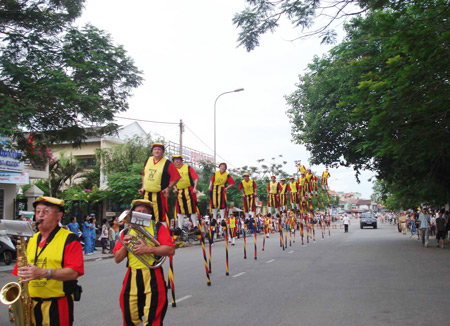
(57, 81)
(262, 16)
(380, 100)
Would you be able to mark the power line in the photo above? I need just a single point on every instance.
(141, 120)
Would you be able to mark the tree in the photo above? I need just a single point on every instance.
(57, 81)
(380, 100)
(262, 16)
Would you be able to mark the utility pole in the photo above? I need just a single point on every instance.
(181, 137)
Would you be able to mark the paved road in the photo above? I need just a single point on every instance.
(365, 277)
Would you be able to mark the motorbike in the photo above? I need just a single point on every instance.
(7, 248)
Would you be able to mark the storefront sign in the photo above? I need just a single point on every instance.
(14, 178)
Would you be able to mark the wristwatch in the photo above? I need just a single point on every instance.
(49, 274)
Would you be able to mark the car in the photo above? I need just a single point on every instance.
(368, 219)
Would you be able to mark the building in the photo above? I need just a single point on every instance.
(14, 173)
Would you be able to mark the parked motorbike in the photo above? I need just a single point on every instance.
(7, 248)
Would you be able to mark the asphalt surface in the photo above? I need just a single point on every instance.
(364, 277)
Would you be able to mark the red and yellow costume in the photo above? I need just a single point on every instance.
(52, 300)
(218, 197)
(144, 292)
(156, 177)
(186, 199)
(249, 189)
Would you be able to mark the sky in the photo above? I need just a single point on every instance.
(188, 54)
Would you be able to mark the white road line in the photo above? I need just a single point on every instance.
(183, 298)
(237, 275)
(270, 261)
(290, 252)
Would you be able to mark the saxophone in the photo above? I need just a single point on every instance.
(15, 294)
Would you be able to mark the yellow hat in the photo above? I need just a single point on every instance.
(158, 145)
(138, 202)
(50, 201)
(291, 178)
(226, 166)
(177, 156)
(273, 176)
(245, 175)
(282, 179)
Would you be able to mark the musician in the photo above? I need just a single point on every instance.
(220, 182)
(144, 292)
(186, 191)
(158, 177)
(247, 187)
(55, 262)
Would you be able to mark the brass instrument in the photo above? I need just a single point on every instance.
(15, 294)
(137, 222)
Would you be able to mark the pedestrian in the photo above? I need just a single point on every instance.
(158, 177)
(213, 230)
(104, 236)
(115, 226)
(112, 237)
(74, 227)
(424, 219)
(93, 232)
(402, 222)
(87, 226)
(441, 229)
(144, 291)
(433, 224)
(55, 262)
(346, 222)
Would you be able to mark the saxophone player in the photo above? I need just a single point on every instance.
(144, 292)
(55, 261)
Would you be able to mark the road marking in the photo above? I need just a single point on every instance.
(183, 298)
(242, 273)
(270, 261)
(290, 252)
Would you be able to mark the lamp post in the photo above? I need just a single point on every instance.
(215, 102)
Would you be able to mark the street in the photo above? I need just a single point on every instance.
(364, 277)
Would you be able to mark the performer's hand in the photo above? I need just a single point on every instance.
(166, 192)
(142, 248)
(31, 272)
(141, 191)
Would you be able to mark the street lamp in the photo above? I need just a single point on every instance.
(215, 102)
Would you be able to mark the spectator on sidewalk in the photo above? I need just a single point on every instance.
(441, 229)
(433, 223)
(425, 222)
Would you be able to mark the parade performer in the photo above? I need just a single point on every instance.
(232, 228)
(302, 188)
(283, 195)
(220, 182)
(301, 167)
(55, 262)
(273, 189)
(186, 191)
(325, 176)
(144, 292)
(158, 177)
(247, 187)
(293, 188)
